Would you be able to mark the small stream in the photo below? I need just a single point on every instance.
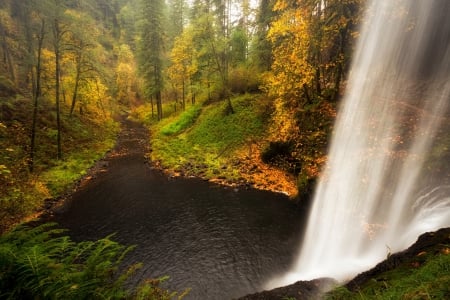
(221, 242)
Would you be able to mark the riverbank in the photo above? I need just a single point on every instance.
(430, 248)
(221, 242)
(207, 143)
(24, 193)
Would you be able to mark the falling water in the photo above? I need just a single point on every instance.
(387, 178)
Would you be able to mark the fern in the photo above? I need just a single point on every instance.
(40, 263)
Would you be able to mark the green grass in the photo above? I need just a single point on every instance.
(60, 177)
(429, 281)
(206, 137)
(184, 121)
(89, 144)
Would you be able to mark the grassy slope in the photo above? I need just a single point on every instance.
(213, 139)
(85, 139)
(204, 141)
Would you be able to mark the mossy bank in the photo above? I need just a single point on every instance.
(207, 141)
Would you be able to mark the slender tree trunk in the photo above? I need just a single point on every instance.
(184, 95)
(77, 83)
(36, 96)
(192, 93)
(159, 105)
(99, 99)
(6, 54)
(57, 33)
(222, 66)
(153, 109)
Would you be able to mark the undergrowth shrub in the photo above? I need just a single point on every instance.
(279, 153)
(42, 263)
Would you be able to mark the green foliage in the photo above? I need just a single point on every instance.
(212, 139)
(244, 79)
(85, 140)
(219, 130)
(184, 121)
(41, 263)
(429, 281)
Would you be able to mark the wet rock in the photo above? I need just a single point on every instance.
(425, 242)
(301, 290)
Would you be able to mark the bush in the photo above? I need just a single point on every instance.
(279, 153)
(244, 80)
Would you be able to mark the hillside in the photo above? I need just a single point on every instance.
(86, 138)
(240, 149)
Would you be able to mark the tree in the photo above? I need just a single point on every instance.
(184, 64)
(128, 17)
(125, 75)
(308, 66)
(211, 37)
(58, 34)
(6, 33)
(262, 49)
(151, 50)
(177, 17)
(36, 89)
(79, 43)
(291, 73)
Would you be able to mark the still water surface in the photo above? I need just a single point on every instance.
(221, 242)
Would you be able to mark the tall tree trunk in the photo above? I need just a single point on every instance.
(77, 82)
(184, 95)
(192, 92)
(57, 45)
(36, 95)
(159, 105)
(152, 104)
(7, 54)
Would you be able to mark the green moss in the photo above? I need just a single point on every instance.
(211, 141)
(429, 281)
(183, 121)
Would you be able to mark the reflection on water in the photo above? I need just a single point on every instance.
(220, 242)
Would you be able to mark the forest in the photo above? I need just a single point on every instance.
(240, 93)
(63, 86)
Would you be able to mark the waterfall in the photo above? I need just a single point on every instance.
(387, 176)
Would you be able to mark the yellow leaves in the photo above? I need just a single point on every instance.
(4, 170)
(6, 22)
(291, 70)
(183, 58)
(280, 5)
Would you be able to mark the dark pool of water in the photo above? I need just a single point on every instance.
(220, 242)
